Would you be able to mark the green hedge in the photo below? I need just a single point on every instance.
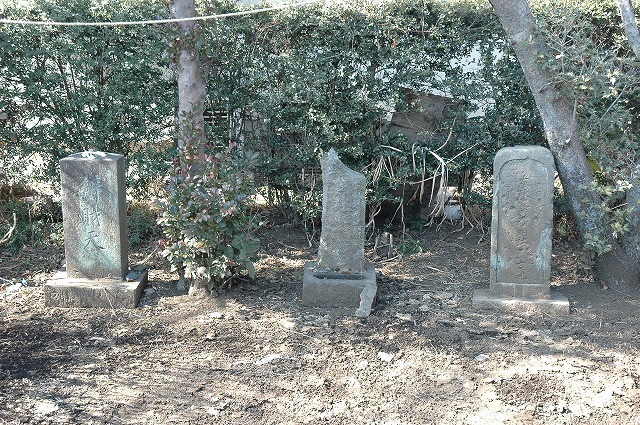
(308, 79)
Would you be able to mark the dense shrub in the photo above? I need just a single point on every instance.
(206, 217)
(68, 89)
(293, 83)
(288, 84)
(28, 220)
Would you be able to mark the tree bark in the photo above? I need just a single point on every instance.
(632, 246)
(630, 25)
(192, 90)
(615, 268)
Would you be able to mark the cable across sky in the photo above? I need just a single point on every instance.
(157, 21)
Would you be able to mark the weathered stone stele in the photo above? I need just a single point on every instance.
(340, 277)
(95, 235)
(521, 232)
(94, 213)
(343, 217)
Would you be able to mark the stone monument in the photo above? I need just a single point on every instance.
(341, 277)
(521, 232)
(94, 212)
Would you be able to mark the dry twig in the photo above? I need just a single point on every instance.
(9, 233)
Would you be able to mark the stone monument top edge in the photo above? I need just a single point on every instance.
(330, 157)
(538, 153)
(93, 155)
(332, 160)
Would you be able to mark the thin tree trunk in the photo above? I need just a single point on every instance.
(562, 133)
(192, 93)
(630, 25)
(632, 239)
(192, 90)
(632, 246)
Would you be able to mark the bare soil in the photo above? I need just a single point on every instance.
(255, 355)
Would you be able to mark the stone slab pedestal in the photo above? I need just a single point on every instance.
(322, 289)
(556, 305)
(64, 291)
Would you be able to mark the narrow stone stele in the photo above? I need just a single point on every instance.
(94, 211)
(341, 277)
(521, 232)
(343, 217)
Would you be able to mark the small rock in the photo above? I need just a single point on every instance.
(288, 324)
(268, 359)
(149, 291)
(13, 288)
(213, 411)
(131, 276)
(481, 357)
(45, 407)
(406, 317)
(367, 298)
(362, 364)
(385, 357)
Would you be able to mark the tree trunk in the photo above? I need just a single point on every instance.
(632, 246)
(616, 268)
(199, 288)
(192, 90)
(630, 25)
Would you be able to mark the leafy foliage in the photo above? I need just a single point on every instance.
(142, 223)
(68, 89)
(290, 84)
(295, 83)
(206, 217)
(592, 57)
(37, 220)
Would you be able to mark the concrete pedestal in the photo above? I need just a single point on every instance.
(64, 291)
(555, 305)
(321, 289)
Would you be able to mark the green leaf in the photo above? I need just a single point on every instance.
(250, 269)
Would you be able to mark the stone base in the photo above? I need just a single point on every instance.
(336, 290)
(556, 305)
(63, 291)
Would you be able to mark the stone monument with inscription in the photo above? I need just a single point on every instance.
(521, 232)
(94, 210)
(341, 277)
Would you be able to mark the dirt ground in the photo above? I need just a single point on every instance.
(254, 355)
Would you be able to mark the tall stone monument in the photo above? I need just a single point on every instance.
(521, 233)
(94, 213)
(340, 277)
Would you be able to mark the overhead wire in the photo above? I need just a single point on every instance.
(157, 21)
